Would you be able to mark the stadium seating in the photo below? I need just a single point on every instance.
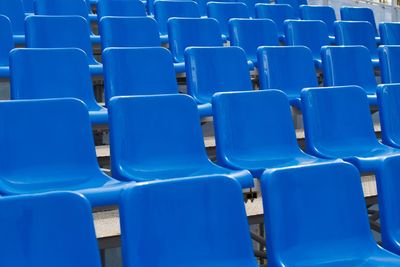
(132, 8)
(389, 56)
(14, 11)
(7, 43)
(348, 13)
(295, 4)
(295, 62)
(338, 124)
(224, 11)
(310, 33)
(251, 5)
(43, 32)
(322, 234)
(390, 33)
(272, 144)
(203, 224)
(54, 73)
(53, 229)
(28, 6)
(349, 65)
(230, 72)
(323, 13)
(278, 14)
(249, 34)
(171, 146)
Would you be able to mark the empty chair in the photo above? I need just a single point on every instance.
(191, 230)
(53, 229)
(171, 146)
(14, 11)
(323, 13)
(272, 144)
(249, 34)
(351, 13)
(338, 124)
(215, 69)
(278, 14)
(357, 33)
(251, 4)
(224, 11)
(293, 3)
(390, 33)
(54, 73)
(318, 235)
(131, 8)
(349, 65)
(163, 10)
(43, 32)
(389, 56)
(6, 44)
(295, 62)
(310, 33)
(28, 7)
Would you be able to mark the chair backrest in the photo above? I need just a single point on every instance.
(251, 5)
(390, 33)
(351, 13)
(163, 10)
(190, 233)
(315, 199)
(216, 69)
(14, 10)
(348, 65)
(185, 32)
(310, 33)
(293, 3)
(389, 59)
(53, 229)
(62, 8)
(6, 40)
(173, 139)
(38, 73)
(131, 8)
(277, 13)
(44, 32)
(249, 34)
(28, 6)
(129, 32)
(224, 11)
(337, 119)
(138, 71)
(356, 33)
(295, 61)
(324, 13)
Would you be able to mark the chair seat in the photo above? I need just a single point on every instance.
(95, 39)
(164, 38)
(96, 69)
(332, 39)
(19, 38)
(375, 62)
(99, 116)
(318, 63)
(179, 67)
(372, 99)
(205, 110)
(4, 71)
(378, 40)
(93, 17)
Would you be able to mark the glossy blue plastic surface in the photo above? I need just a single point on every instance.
(28, 6)
(254, 131)
(357, 33)
(278, 14)
(189, 222)
(224, 11)
(351, 13)
(295, 62)
(171, 146)
(43, 32)
(151, 67)
(389, 58)
(251, 5)
(132, 8)
(293, 3)
(349, 65)
(47, 230)
(215, 69)
(249, 34)
(338, 124)
(54, 73)
(7, 43)
(316, 216)
(390, 33)
(185, 32)
(324, 13)
(59, 155)
(13, 9)
(310, 33)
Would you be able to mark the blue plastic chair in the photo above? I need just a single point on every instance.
(338, 124)
(28, 7)
(133, 8)
(14, 10)
(171, 146)
(6, 45)
(224, 11)
(349, 65)
(251, 5)
(357, 33)
(304, 210)
(278, 14)
(295, 62)
(390, 33)
(54, 73)
(351, 13)
(323, 13)
(191, 230)
(230, 72)
(293, 3)
(249, 34)
(43, 32)
(272, 144)
(186, 32)
(389, 56)
(163, 10)
(310, 33)
(59, 155)
(53, 229)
